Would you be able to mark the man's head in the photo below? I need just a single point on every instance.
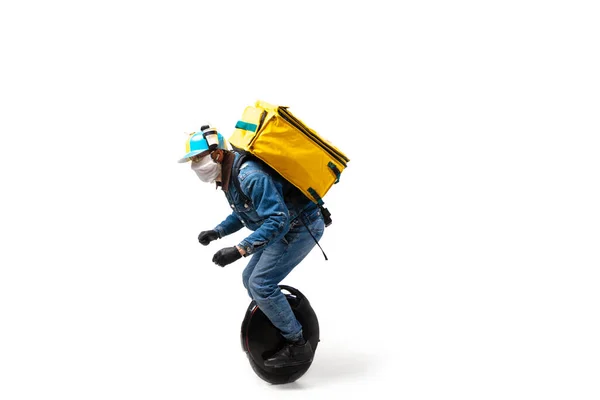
(205, 159)
(197, 144)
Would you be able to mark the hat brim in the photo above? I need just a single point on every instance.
(187, 157)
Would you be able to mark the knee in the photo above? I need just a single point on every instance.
(260, 291)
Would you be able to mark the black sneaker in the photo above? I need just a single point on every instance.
(293, 353)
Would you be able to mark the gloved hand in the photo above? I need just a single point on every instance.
(226, 256)
(205, 237)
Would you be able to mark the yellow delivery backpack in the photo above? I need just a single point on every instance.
(285, 143)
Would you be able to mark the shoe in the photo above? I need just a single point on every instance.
(293, 353)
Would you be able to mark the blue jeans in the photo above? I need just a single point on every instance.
(268, 267)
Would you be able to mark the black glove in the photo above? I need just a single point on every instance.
(226, 256)
(205, 237)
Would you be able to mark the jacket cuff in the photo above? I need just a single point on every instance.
(220, 231)
(250, 248)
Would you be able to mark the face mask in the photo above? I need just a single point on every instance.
(206, 169)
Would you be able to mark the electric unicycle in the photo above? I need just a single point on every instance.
(260, 339)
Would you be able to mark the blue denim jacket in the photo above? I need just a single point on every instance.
(268, 214)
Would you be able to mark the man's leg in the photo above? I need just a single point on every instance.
(274, 264)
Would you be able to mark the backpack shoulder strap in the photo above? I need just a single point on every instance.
(235, 171)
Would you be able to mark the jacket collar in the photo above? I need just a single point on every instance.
(226, 167)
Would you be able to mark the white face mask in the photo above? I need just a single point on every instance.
(206, 169)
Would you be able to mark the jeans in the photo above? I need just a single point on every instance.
(268, 267)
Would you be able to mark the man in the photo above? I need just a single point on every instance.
(286, 226)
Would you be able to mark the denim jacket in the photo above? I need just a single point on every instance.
(268, 214)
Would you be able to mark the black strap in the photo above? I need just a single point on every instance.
(235, 171)
(316, 241)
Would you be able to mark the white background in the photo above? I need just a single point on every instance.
(463, 255)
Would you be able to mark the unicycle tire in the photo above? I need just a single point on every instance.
(260, 339)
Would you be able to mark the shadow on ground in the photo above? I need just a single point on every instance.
(334, 367)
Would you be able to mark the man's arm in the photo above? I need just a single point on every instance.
(268, 203)
(230, 225)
